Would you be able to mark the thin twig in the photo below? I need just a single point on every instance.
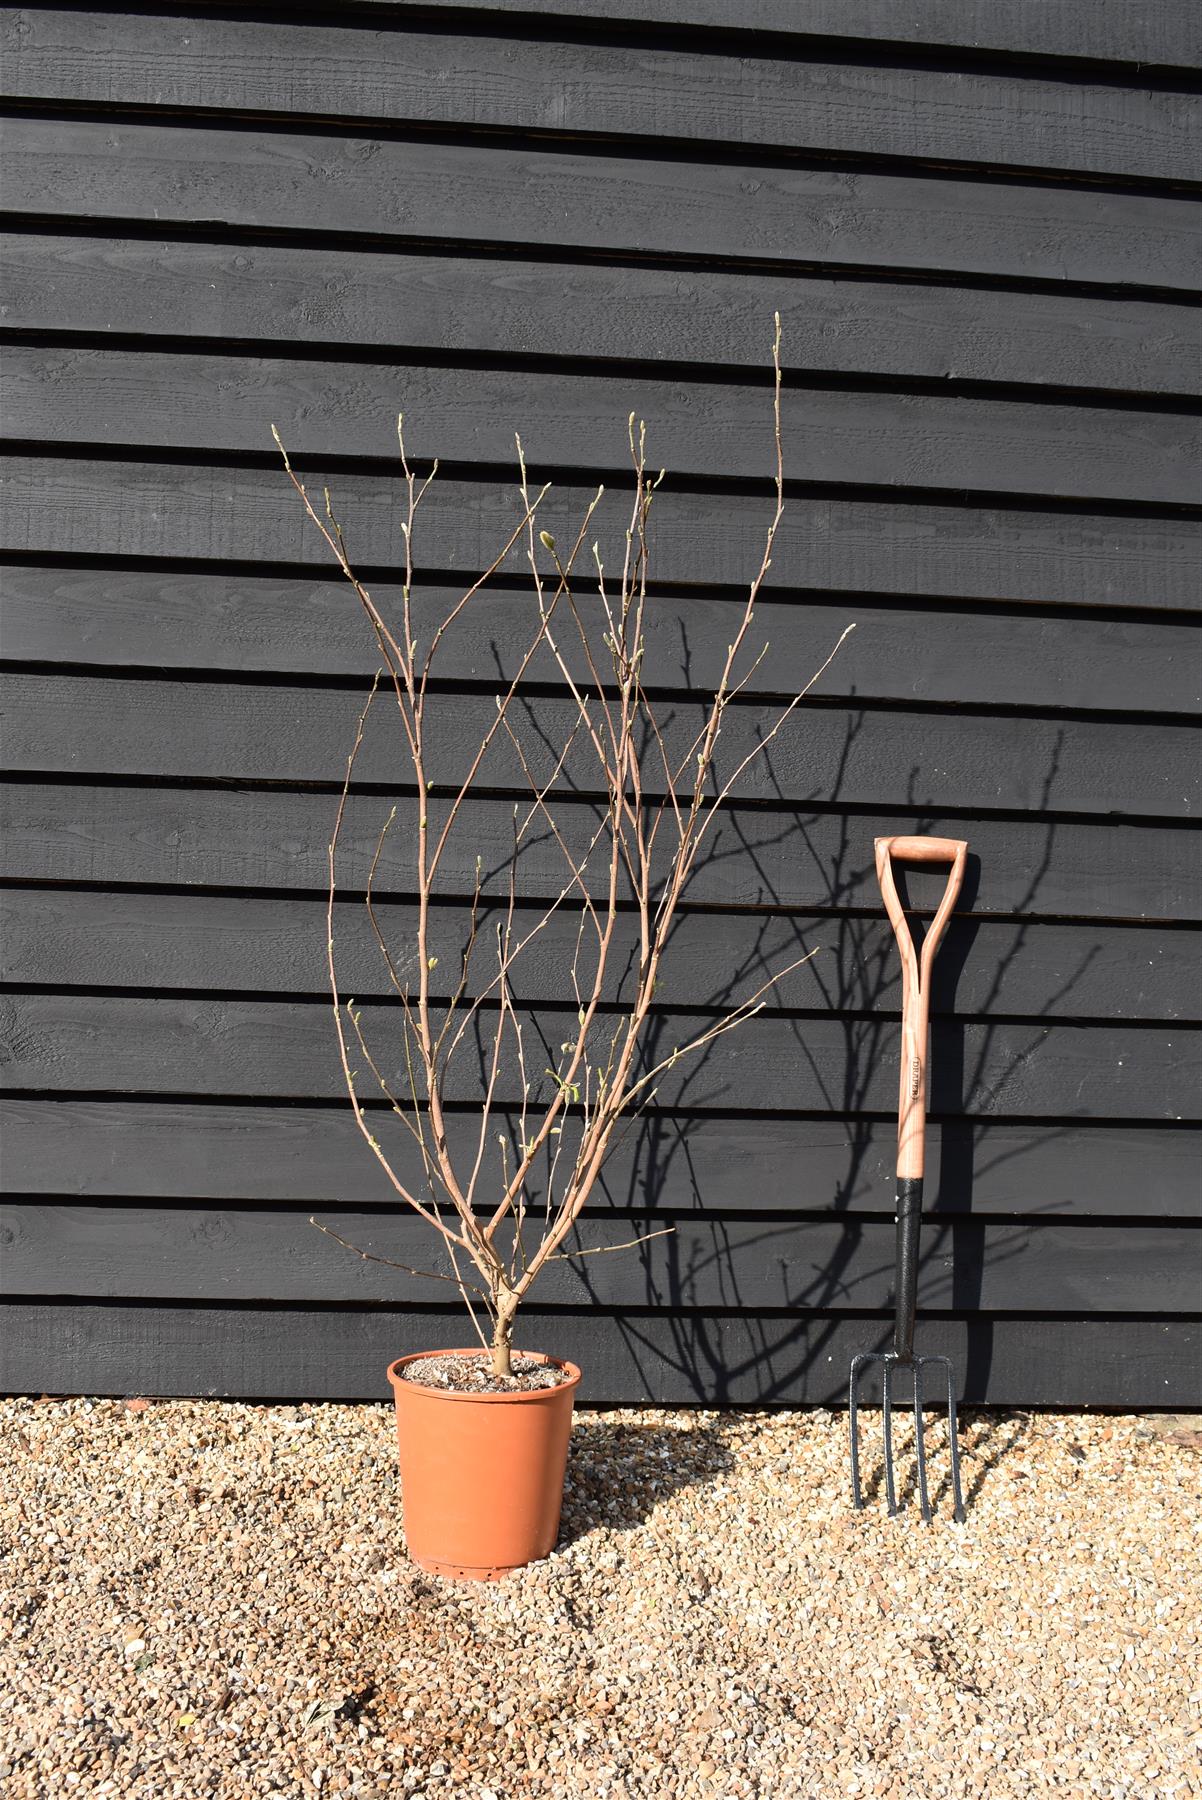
(370, 1256)
(604, 1249)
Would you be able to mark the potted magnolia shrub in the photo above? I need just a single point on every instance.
(483, 1432)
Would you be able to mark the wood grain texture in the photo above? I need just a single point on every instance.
(844, 753)
(98, 1149)
(278, 1050)
(540, 83)
(251, 1253)
(178, 509)
(1018, 559)
(1123, 30)
(188, 620)
(560, 200)
(790, 857)
(297, 294)
(665, 1359)
(68, 938)
(131, 399)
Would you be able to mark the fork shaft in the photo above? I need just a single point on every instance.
(909, 1223)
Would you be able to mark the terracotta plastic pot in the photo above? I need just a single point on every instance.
(481, 1474)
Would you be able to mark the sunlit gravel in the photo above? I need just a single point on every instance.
(209, 1599)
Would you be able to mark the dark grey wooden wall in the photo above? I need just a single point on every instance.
(979, 224)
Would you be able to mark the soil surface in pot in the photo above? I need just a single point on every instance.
(473, 1374)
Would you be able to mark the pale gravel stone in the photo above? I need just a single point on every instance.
(208, 1599)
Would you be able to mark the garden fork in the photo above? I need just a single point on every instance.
(911, 1145)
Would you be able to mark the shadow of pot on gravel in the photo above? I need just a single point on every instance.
(619, 1472)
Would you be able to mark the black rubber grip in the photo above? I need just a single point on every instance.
(909, 1224)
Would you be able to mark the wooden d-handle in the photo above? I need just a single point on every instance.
(927, 850)
(916, 972)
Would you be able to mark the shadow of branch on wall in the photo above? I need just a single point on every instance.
(970, 1086)
(744, 1313)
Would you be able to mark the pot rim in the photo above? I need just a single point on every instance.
(510, 1399)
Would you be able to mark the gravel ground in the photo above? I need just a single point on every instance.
(202, 1598)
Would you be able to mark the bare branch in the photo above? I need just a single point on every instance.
(597, 1079)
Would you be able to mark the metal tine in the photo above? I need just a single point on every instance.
(953, 1440)
(887, 1421)
(920, 1453)
(853, 1416)
(890, 1362)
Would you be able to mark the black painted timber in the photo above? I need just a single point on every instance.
(279, 1050)
(851, 540)
(721, 1358)
(1166, 34)
(153, 941)
(258, 294)
(218, 218)
(183, 834)
(618, 92)
(794, 857)
(177, 1151)
(249, 1253)
(851, 753)
(371, 190)
(137, 396)
(202, 620)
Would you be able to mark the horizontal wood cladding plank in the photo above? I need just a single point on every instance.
(789, 857)
(616, 89)
(178, 509)
(71, 938)
(246, 1154)
(538, 83)
(313, 1354)
(846, 753)
(557, 199)
(305, 625)
(176, 1253)
(294, 294)
(1123, 30)
(150, 397)
(276, 1050)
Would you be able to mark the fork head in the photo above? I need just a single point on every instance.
(890, 1362)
